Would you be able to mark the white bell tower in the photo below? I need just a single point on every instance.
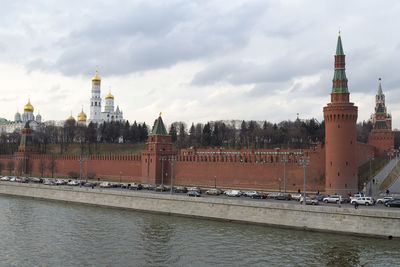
(95, 100)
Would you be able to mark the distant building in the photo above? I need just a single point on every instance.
(20, 121)
(109, 114)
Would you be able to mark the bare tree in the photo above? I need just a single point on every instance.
(1, 167)
(42, 165)
(52, 167)
(10, 166)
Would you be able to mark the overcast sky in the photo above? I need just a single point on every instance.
(197, 61)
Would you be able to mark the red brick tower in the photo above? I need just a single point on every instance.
(340, 133)
(381, 136)
(155, 160)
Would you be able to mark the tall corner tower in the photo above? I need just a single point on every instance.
(156, 160)
(95, 100)
(381, 136)
(340, 117)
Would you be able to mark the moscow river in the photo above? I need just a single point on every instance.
(45, 233)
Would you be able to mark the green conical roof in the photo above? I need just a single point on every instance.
(380, 92)
(159, 128)
(339, 47)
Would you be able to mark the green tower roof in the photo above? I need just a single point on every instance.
(339, 47)
(380, 92)
(159, 128)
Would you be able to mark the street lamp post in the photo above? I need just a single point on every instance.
(172, 174)
(215, 181)
(15, 166)
(304, 163)
(370, 158)
(284, 160)
(120, 173)
(162, 170)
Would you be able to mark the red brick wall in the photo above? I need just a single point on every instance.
(251, 172)
(364, 151)
(383, 141)
(103, 166)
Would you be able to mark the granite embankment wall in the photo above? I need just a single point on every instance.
(374, 222)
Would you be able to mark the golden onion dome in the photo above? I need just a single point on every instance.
(109, 96)
(82, 116)
(28, 107)
(96, 78)
(70, 118)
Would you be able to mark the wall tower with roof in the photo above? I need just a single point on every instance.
(381, 136)
(158, 158)
(340, 133)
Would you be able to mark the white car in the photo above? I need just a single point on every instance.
(233, 193)
(73, 183)
(105, 185)
(363, 201)
(297, 196)
(5, 178)
(13, 179)
(331, 199)
(309, 201)
(383, 200)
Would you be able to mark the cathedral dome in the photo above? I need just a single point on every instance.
(109, 96)
(96, 79)
(82, 116)
(17, 117)
(70, 118)
(28, 107)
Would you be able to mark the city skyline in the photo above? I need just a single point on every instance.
(197, 61)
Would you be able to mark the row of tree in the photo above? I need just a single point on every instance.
(227, 134)
(20, 167)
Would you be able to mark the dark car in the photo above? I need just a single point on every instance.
(259, 195)
(89, 184)
(181, 189)
(193, 194)
(283, 196)
(320, 197)
(161, 188)
(393, 203)
(135, 186)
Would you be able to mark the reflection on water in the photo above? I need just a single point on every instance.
(43, 233)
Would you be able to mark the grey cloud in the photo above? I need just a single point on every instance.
(153, 36)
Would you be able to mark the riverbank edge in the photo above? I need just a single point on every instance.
(361, 222)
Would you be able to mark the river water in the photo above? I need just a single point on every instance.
(45, 233)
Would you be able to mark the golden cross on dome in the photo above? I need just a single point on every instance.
(160, 114)
(339, 31)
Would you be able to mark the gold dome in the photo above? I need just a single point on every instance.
(96, 77)
(70, 118)
(109, 96)
(28, 107)
(82, 116)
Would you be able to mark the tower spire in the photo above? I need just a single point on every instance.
(380, 92)
(339, 78)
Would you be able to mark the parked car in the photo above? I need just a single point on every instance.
(214, 191)
(297, 196)
(194, 188)
(233, 193)
(61, 182)
(355, 196)
(5, 178)
(331, 199)
(319, 197)
(283, 196)
(73, 183)
(36, 180)
(383, 200)
(161, 188)
(13, 179)
(181, 189)
(346, 199)
(193, 194)
(309, 201)
(363, 201)
(125, 185)
(273, 195)
(49, 182)
(89, 184)
(259, 195)
(393, 203)
(136, 186)
(150, 187)
(105, 185)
